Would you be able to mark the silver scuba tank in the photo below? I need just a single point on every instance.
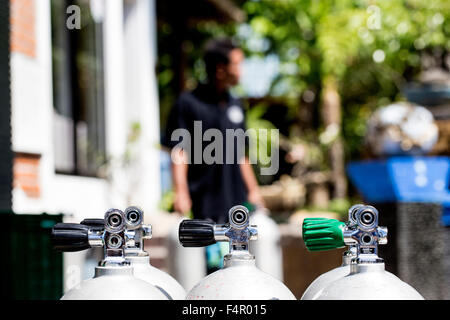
(239, 279)
(139, 259)
(316, 287)
(268, 247)
(113, 278)
(367, 279)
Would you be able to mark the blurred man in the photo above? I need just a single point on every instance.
(210, 190)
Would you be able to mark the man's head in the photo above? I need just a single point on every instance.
(223, 62)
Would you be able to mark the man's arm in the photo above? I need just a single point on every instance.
(251, 183)
(183, 202)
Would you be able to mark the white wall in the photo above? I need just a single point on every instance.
(142, 99)
(130, 95)
(31, 93)
(32, 131)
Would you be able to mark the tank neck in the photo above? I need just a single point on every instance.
(238, 258)
(113, 271)
(139, 259)
(348, 255)
(135, 253)
(345, 260)
(366, 267)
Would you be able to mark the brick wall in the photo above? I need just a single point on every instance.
(26, 174)
(23, 33)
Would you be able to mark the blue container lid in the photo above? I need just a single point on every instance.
(402, 179)
(420, 179)
(372, 180)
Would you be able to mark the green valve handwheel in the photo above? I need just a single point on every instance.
(320, 234)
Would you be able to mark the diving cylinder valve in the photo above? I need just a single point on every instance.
(309, 227)
(367, 279)
(113, 278)
(140, 259)
(239, 279)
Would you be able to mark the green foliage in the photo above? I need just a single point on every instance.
(339, 206)
(372, 48)
(261, 144)
(167, 200)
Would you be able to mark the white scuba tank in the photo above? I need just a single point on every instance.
(136, 232)
(113, 278)
(240, 279)
(316, 287)
(163, 281)
(114, 283)
(367, 279)
(268, 247)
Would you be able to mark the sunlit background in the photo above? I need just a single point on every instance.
(359, 89)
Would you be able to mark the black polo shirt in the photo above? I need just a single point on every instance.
(214, 188)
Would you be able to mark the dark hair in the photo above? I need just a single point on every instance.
(217, 52)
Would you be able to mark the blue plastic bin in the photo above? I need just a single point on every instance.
(404, 179)
(372, 180)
